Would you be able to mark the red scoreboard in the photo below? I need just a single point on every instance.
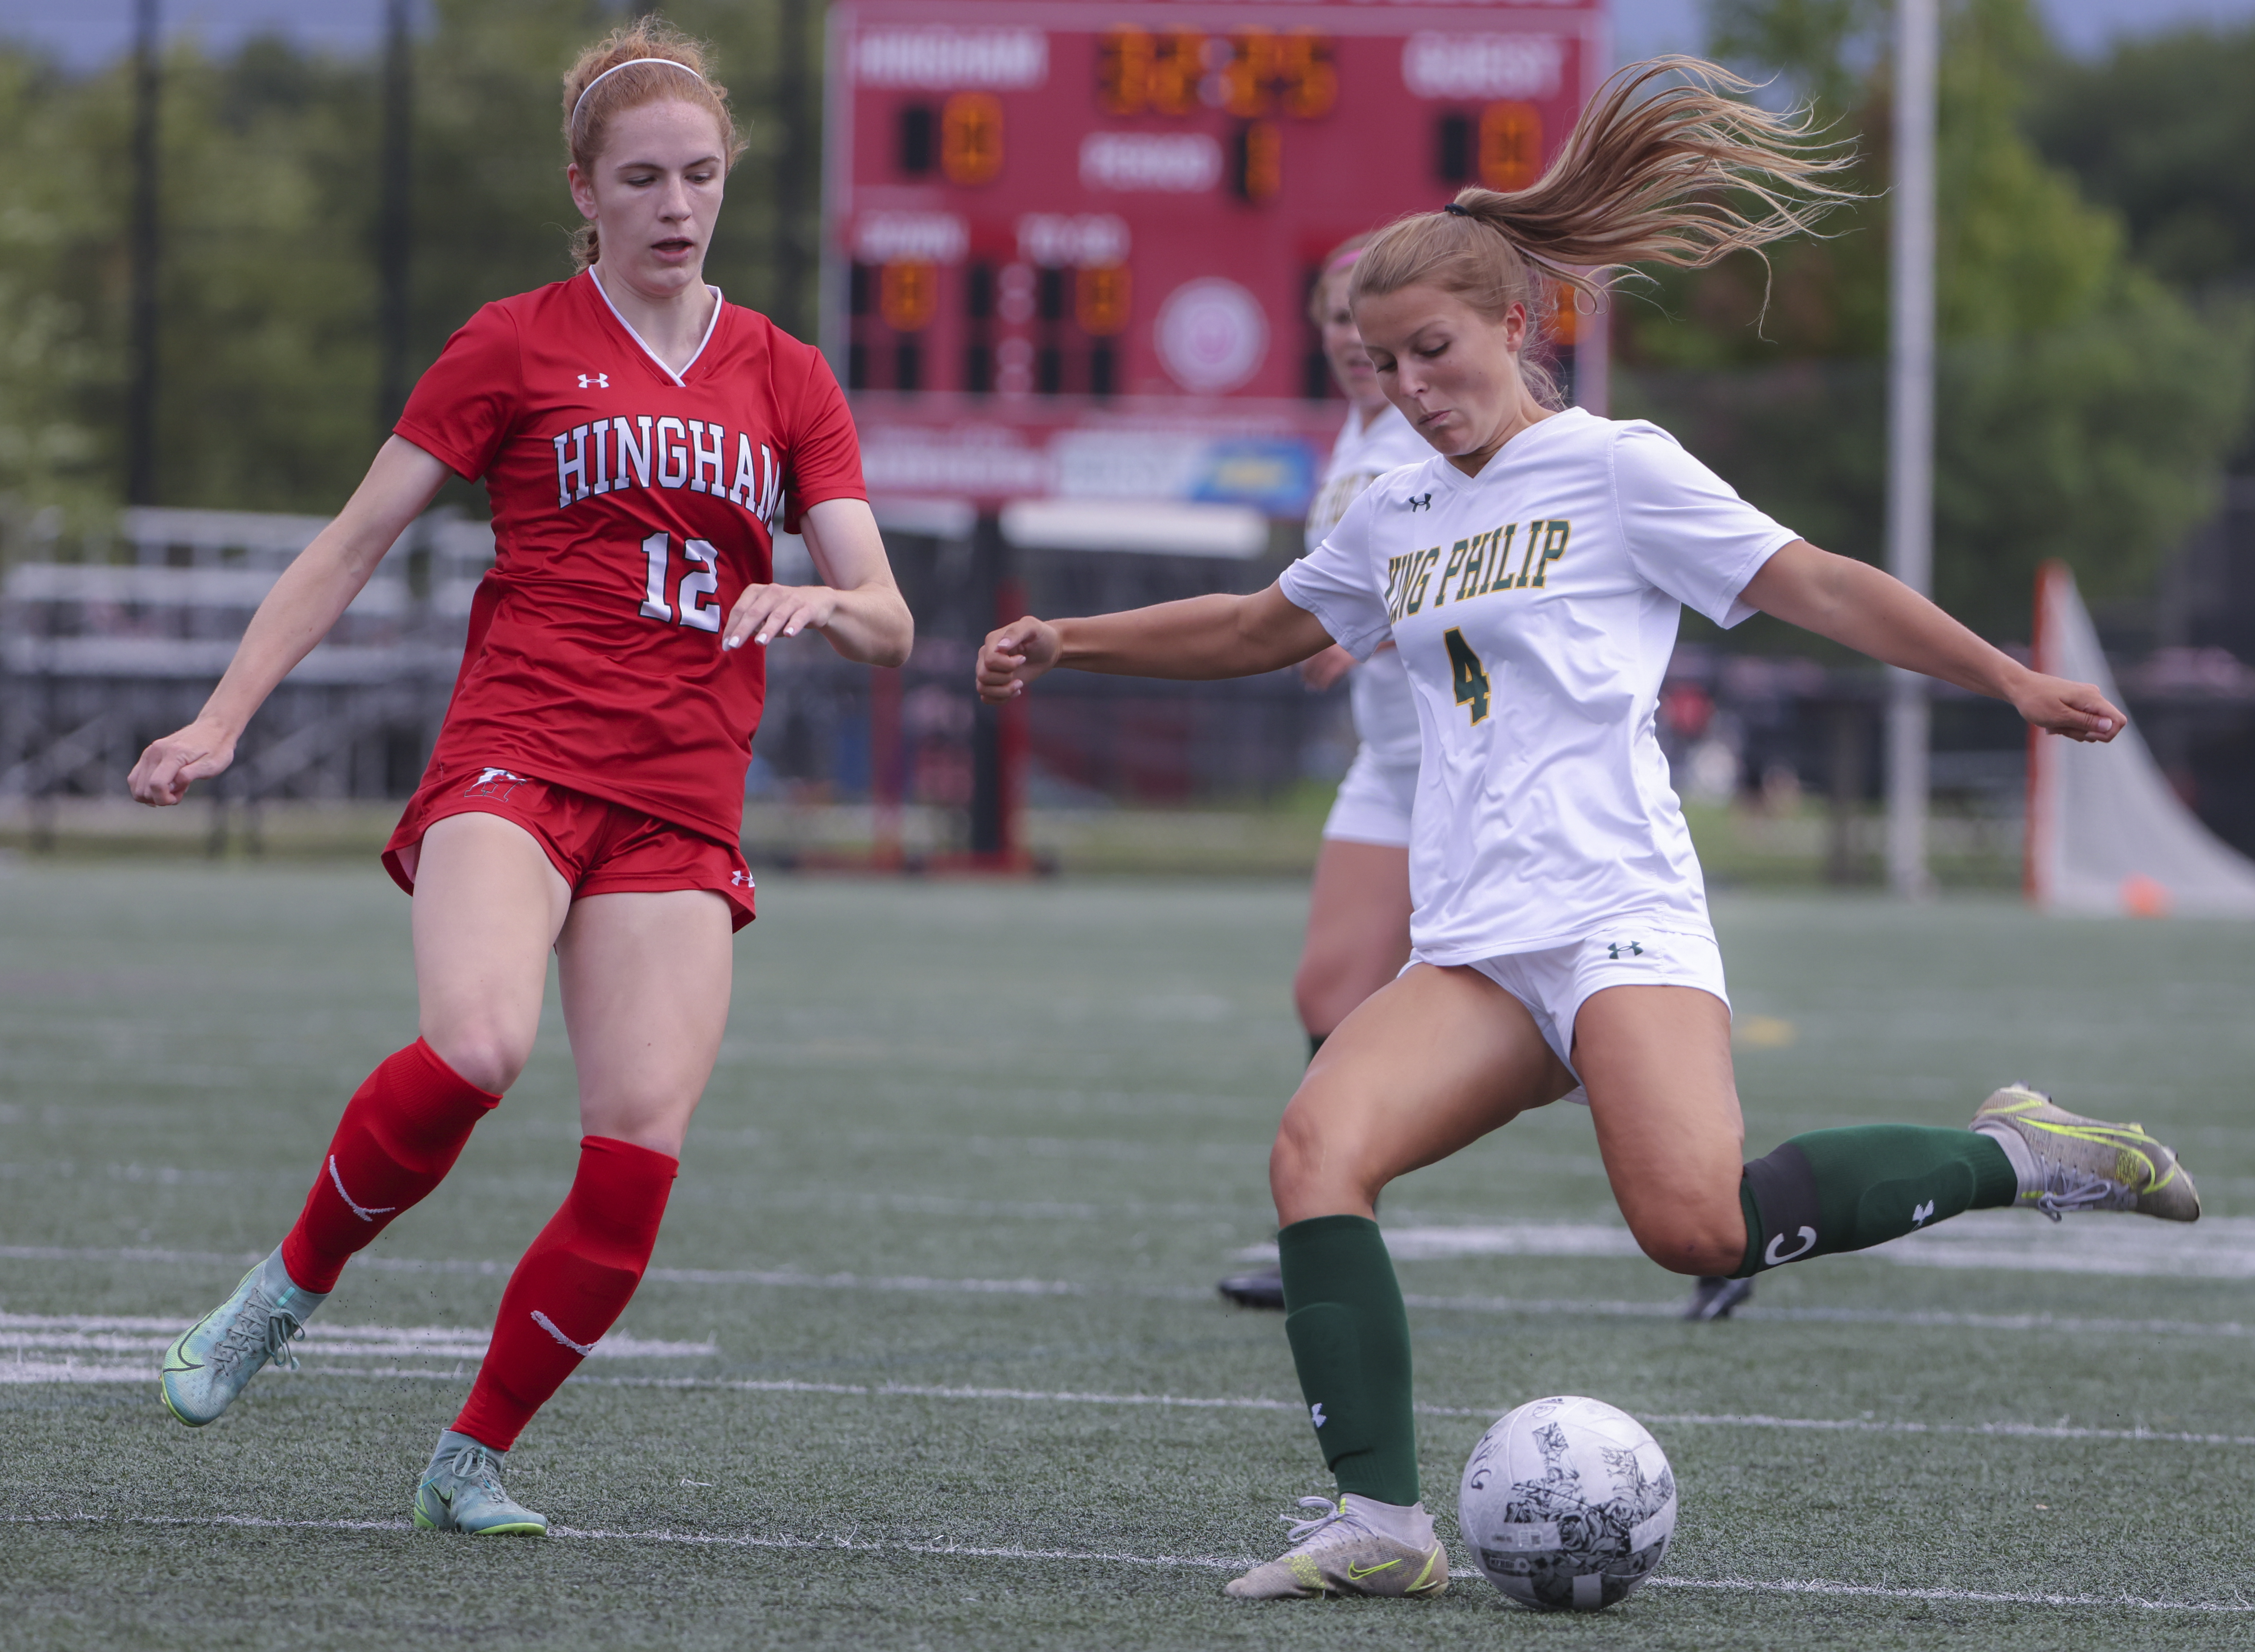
(1069, 245)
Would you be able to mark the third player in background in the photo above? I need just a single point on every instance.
(1358, 909)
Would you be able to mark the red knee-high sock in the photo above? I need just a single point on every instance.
(400, 1135)
(572, 1284)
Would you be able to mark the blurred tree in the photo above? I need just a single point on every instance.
(269, 290)
(271, 206)
(2161, 130)
(2082, 406)
(62, 292)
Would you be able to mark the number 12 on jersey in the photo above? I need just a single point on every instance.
(698, 582)
(1468, 674)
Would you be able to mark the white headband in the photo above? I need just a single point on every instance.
(614, 69)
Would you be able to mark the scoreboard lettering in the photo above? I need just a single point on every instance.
(1069, 245)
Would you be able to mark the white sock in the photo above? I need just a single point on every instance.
(1407, 1523)
(2016, 1150)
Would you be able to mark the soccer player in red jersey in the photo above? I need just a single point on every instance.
(638, 436)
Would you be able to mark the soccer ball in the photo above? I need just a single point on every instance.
(1567, 1504)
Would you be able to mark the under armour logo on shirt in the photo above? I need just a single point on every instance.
(1424, 503)
(595, 381)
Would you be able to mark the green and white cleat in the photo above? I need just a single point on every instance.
(210, 1362)
(2068, 1163)
(1356, 1547)
(461, 1492)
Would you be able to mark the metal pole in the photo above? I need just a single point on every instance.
(395, 223)
(1593, 331)
(991, 823)
(141, 396)
(1910, 425)
(795, 168)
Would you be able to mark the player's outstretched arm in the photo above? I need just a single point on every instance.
(1201, 638)
(298, 613)
(1876, 613)
(857, 607)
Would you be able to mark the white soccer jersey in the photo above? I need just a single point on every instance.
(1385, 719)
(1534, 607)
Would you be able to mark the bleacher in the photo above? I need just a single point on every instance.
(98, 659)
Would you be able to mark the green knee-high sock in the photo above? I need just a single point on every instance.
(1831, 1190)
(1350, 1339)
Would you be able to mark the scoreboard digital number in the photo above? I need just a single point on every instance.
(1070, 245)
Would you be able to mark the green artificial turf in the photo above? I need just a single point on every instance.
(949, 1223)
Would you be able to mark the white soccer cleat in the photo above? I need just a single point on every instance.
(1348, 1549)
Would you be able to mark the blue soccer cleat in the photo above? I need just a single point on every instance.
(461, 1492)
(214, 1358)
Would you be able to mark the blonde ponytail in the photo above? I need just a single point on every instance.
(1684, 176)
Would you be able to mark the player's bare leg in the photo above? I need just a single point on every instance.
(487, 904)
(1358, 941)
(1626, 1028)
(1423, 1067)
(1358, 930)
(645, 980)
(1656, 1062)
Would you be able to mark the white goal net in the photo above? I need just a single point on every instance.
(2106, 834)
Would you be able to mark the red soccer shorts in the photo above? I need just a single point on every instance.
(600, 848)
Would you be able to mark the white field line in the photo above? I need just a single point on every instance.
(2005, 1242)
(73, 1374)
(114, 1334)
(1938, 1317)
(784, 1278)
(1196, 1562)
(799, 1279)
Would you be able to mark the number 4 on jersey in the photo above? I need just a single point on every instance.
(1469, 675)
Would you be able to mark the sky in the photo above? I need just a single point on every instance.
(85, 33)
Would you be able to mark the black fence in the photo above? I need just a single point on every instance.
(97, 657)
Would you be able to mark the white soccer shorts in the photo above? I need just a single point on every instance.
(1555, 983)
(1373, 802)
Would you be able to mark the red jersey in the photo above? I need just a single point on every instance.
(631, 506)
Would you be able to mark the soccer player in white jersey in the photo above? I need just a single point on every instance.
(1531, 576)
(1358, 909)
